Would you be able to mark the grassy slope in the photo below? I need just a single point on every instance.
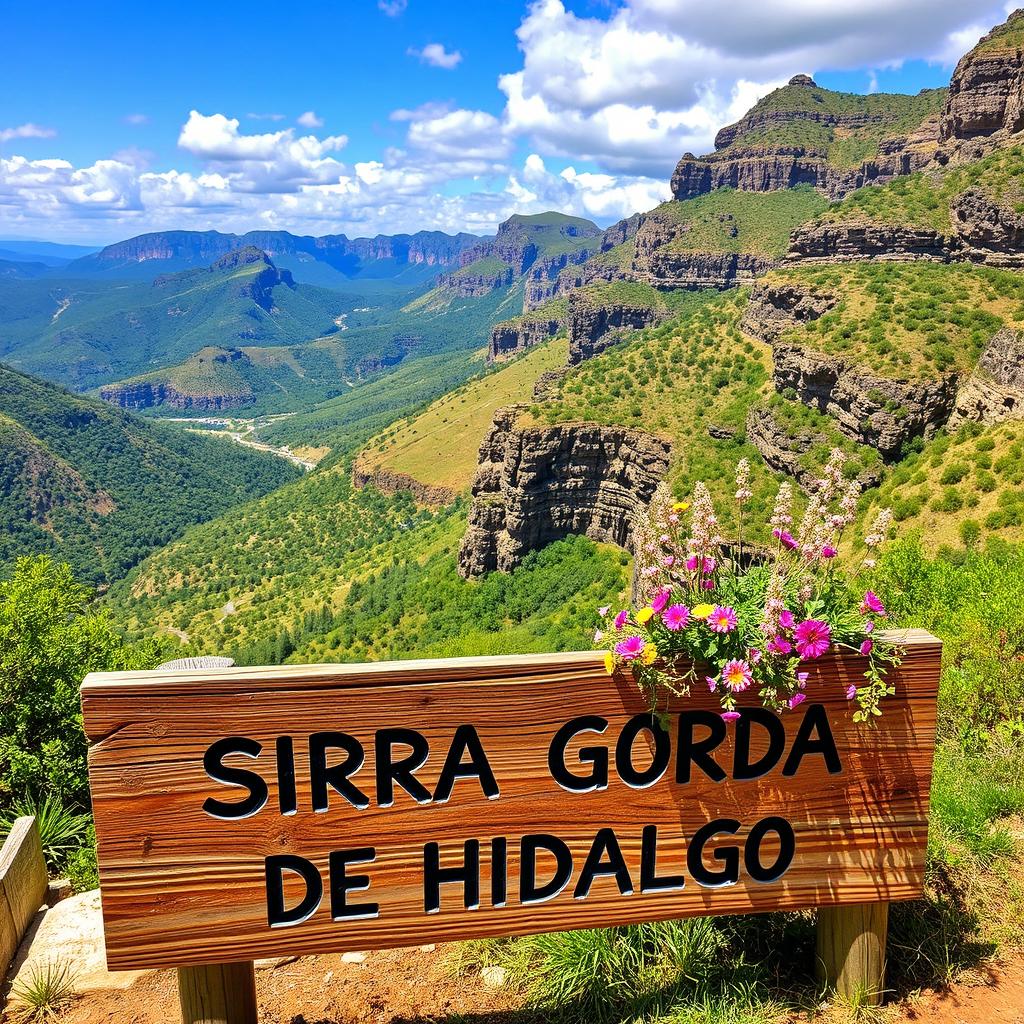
(102, 489)
(440, 445)
(907, 320)
(762, 221)
(922, 200)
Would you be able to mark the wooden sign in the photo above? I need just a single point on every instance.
(244, 813)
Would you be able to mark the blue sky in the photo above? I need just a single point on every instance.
(388, 115)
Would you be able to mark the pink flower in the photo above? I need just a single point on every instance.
(801, 679)
(754, 656)
(668, 561)
(675, 617)
(712, 683)
(630, 648)
(786, 620)
(869, 627)
(664, 538)
(867, 647)
(620, 619)
(797, 698)
(691, 563)
(598, 636)
(737, 675)
(813, 638)
(603, 611)
(786, 539)
(722, 620)
(660, 599)
(872, 603)
(673, 518)
(649, 571)
(730, 716)
(707, 584)
(828, 551)
(851, 692)
(779, 645)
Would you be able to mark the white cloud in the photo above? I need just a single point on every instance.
(392, 8)
(310, 120)
(136, 119)
(265, 117)
(26, 131)
(437, 56)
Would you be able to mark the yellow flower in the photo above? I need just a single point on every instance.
(609, 663)
(702, 611)
(680, 506)
(650, 653)
(644, 615)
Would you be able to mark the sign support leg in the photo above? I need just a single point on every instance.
(851, 951)
(218, 994)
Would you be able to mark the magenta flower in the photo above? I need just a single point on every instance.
(786, 620)
(851, 692)
(872, 603)
(828, 551)
(730, 716)
(712, 683)
(660, 599)
(797, 698)
(779, 645)
(786, 539)
(620, 619)
(754, 656)
(813, 638)
(630, 648)
(722, 620)
(867, 647)
(691, 563)
(737, 676)
(675, 617)
(707, 584)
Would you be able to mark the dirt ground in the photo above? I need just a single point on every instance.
(416, 987)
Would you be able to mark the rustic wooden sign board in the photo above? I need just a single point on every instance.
(244, 813)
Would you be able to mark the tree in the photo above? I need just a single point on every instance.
(51, 636)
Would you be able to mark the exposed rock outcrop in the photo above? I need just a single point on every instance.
(992, 232)
(390, 482)
(867, 240)
(595, 325)
(535, 485)
(774, 307)
(469, 285)
(147, 394)
(515, 336)
(995, 390)
(545, 387)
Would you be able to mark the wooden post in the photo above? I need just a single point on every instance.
(851, 951)
(218, 994)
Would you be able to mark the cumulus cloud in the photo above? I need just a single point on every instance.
(26, 131)
(310, 120)
(437, 56)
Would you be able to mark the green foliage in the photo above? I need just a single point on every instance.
(63, 830)
(50, 638)
(731, 221)
(45, 994)
(100, 489)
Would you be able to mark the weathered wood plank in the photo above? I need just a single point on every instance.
(182, 887)
(23, 882)
(851, 951)
(218, 994)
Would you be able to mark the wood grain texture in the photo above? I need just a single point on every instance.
(851, 951)
(23, 882)
(180, 887)
(218, 994)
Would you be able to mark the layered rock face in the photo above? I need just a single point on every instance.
(390, 482)
(995, 391)
(986, 92)
(772, 308)
(469, 286)
(147, 394)
(990, 232)
(540, 484)
(593, 327)
(866, 240)
(572, 278)
(516, 336)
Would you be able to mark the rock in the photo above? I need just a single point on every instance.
(991, 232)
(353, 958)
(546, 385)
(995, 390)
(805, 80)
(71, 932)
(428, 948)
(596, 323)
(720, 433)
(775, 307)
(535, 485)
(270, 963)
(855, 240)
(389, 482)
(494, 976)
(515, 336)
(58, 889)
(986, 92)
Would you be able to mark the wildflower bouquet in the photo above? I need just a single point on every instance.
(749, 617)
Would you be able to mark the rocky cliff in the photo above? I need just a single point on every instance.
(856, 240)
(148, 394)
(389, 482)
(596, 322)
(535, 485)
(995, 390)
(515, 336)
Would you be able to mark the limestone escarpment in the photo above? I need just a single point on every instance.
(751, 169)
(986, 92)
(992, 232)
(835, 242)
(995, 390)
(473, 285)
(148, 394)
(596, 323)
(774, 307)
(390, 482)
(535, 485)
(515, 336)
(880, 412)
